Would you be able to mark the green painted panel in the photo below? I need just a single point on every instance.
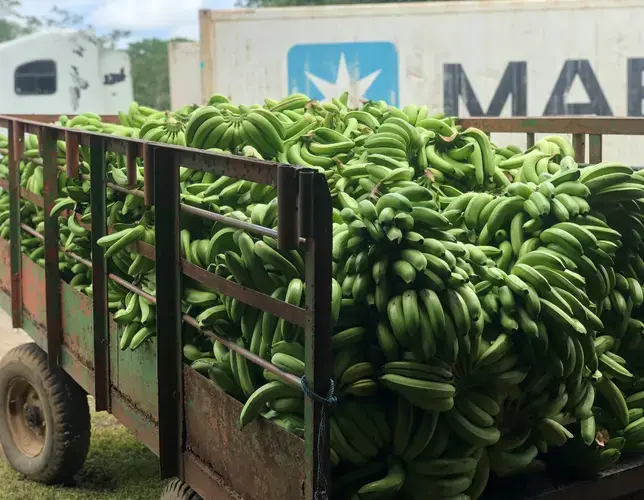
(134, 373)
(78, 325)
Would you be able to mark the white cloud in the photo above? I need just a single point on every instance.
(190, 31)
(39, 7)
(145, 14)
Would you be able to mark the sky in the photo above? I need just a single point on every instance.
(145, 18)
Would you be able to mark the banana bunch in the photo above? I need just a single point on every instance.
(137, 115)
(167, 128)
(487, 302)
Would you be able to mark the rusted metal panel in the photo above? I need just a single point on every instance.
(5, 266)
(141, 424)
(205, 481)
(33, 291)
(261, 462)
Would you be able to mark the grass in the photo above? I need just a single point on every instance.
(117, 468)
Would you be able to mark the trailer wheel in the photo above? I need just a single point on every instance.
(178, 490)
(44, 417)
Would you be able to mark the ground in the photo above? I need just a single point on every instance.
(117, 468)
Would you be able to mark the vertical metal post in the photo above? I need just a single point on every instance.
(99, 275)
(595, 152)
(148, 175)
(130, 163)
(169, 345)
(48, 148)
(16, 145)
(72, 157)
(529, 139)
(579, 145)
(319, 357)
(287, 187)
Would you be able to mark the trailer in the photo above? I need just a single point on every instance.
(176, 412)
(63, 71)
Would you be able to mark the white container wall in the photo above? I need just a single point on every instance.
(185, 87)
(484, 58)
(63, 72)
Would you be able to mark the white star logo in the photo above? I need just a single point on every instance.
(344, 82)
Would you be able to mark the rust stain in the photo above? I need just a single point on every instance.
(213, 436)
(5, 264)
(33, 290)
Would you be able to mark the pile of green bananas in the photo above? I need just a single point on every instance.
(487, 302)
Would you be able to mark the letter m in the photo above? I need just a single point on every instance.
(513, 83)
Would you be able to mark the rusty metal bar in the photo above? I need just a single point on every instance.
(32, 197)
(98, 163)
(263, 172)
(319, 356)
(595, 152)
(16, 143)
(559, 125)
(31, 231)
(53, 118)
(579, 145)
(289, 312)
(47, 144)
(169, 325)
(130, 162)
(24, 193)
(229, 221)
(287, 222)
(148, 175)
(199, 212)
(287, 378)
(529, 139)
(72, 158)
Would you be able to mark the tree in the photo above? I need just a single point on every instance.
(16, 25)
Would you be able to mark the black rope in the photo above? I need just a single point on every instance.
(329, 401)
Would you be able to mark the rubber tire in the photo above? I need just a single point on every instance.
(66, 415)
(178, 490)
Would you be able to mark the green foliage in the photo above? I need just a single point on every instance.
(150, 74)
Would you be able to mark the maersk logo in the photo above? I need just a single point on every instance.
(368, 70)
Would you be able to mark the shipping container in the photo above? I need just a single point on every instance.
(183, 61)
(470, 58)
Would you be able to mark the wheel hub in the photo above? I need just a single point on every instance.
(26, 418)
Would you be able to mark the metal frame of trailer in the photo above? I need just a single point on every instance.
(179, 414)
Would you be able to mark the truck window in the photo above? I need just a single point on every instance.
(35, 78)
